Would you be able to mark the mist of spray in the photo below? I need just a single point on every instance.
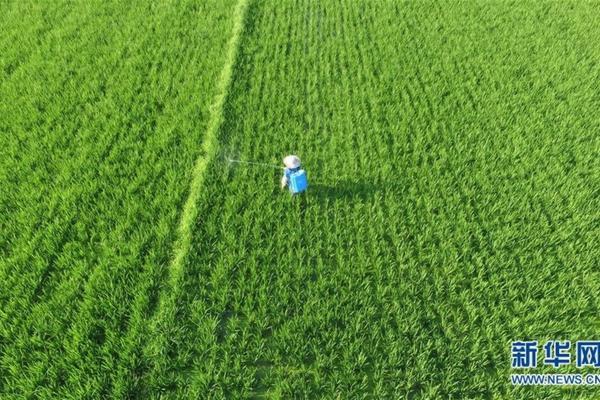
(234, 161)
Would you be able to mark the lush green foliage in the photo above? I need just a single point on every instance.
(452, 154)
(104, 105)
(452, 206)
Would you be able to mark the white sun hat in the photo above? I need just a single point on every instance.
(291, 161)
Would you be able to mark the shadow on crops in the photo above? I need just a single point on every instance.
(345, 190)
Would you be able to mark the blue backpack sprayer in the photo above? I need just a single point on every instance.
(294, 177)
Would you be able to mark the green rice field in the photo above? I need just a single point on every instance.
(452, 152)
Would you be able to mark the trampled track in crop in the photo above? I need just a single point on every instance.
(452, 153)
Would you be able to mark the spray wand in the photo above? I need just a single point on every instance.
(231, 160)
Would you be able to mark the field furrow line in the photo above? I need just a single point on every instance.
(164, 317)
(190, 209)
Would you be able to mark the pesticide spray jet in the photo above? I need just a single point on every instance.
(231, 160)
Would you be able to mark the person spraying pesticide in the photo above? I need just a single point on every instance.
(294, 177)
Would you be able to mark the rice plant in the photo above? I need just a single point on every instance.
(452, 155)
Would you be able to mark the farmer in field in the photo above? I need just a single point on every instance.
(294, 177)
